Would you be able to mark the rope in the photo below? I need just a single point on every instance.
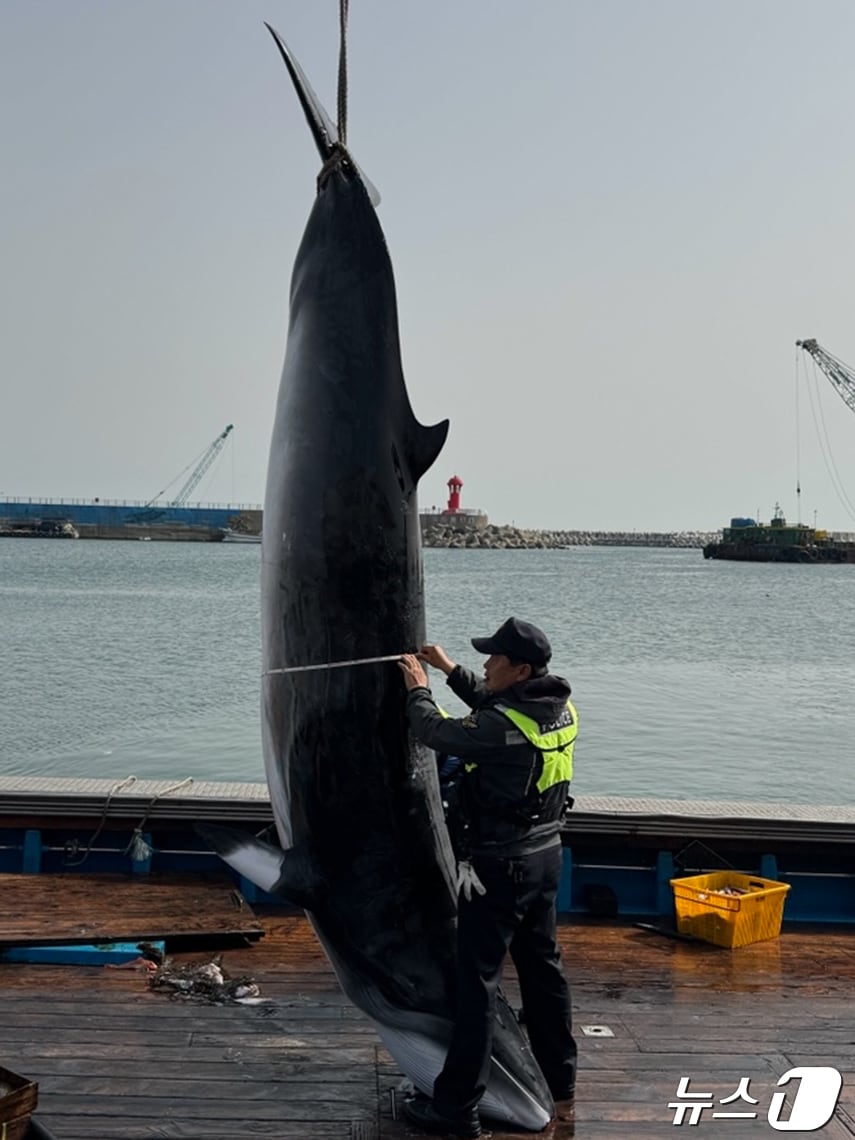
(339, 155)
(115, 788)
(825, 442)
(172, 788)
(798, 443)
(342, 72)
(141, 849)
(137, 845)
(693, 849)
(333, 664)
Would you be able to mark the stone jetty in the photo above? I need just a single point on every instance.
(516, 538)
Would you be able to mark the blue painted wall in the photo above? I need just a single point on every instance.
(113, 514)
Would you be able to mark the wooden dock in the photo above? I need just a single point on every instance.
(117, 1061)
(42, 910)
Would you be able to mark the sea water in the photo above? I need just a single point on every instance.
(693, 678)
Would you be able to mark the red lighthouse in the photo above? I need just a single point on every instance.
(455, 485)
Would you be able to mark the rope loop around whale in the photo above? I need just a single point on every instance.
(338, 159)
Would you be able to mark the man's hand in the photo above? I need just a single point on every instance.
(436, 656)
(415, 676)
(468, 881)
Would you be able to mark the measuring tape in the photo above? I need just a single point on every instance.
(329, 665)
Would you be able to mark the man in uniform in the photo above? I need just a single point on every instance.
(516, 748)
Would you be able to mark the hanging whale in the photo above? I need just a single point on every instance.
(356, 801)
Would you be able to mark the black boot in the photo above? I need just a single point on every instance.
(422, 1112)
(563, 1094)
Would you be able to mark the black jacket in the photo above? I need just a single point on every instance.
(502, 811)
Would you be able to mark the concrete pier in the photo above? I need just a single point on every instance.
(124, 519)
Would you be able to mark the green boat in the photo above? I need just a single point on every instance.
(746, 540)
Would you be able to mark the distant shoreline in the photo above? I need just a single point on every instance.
(519, 538)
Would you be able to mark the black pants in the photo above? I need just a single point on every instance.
(516, 913)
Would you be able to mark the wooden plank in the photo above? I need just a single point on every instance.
(337, 1064)
(158, 1003)
(174, 1055)
(99, 1022)
(60, 909)
(329, 1103)
(134, 1128)
(94, 1040)
(253, 1096)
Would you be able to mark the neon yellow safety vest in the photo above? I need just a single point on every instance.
(556, 745)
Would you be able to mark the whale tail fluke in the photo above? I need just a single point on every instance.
(324, 131)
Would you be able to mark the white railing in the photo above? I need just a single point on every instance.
(42, 500)
(437, 511)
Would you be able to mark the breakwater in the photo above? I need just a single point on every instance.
(207, 523)
(517, 538)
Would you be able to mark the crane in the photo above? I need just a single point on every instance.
(843, 379)
(208, 456)
(840, 374)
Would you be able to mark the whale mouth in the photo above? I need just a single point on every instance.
(418, 1040)
(421, 1056)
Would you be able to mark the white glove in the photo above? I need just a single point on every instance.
(468, 881)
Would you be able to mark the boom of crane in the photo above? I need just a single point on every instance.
(208, 456)
(840, 374)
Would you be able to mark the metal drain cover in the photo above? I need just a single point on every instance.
(597, 1031)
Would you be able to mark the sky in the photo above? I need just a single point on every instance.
(609, 221)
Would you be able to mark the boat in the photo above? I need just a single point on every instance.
(670, 1026)
(623, 849)
(747, 540)
(230, 535)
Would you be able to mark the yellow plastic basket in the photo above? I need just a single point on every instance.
(729, 920)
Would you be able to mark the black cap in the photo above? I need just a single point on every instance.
(519, 640)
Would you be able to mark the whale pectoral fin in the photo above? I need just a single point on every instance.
(290, 874)
(321, 125)
(423, 445)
